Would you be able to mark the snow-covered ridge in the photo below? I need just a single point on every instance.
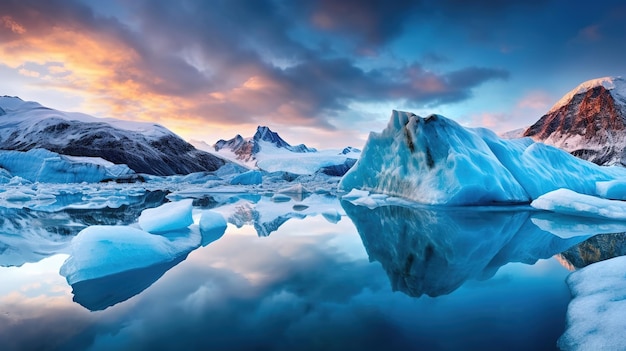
(267, 151)
(13, 104)
(616, 85)
(144, 147)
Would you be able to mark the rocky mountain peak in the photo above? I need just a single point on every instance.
(589, 122)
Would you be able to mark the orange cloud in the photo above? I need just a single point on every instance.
(9, 23)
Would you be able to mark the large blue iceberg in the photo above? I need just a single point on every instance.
(41, 165)
(434, 160)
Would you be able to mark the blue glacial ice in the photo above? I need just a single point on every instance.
(595, 316)
(434, 160)
(212, 226)
(103, 250)
(248, 178)
(167, 217)
(40, 165)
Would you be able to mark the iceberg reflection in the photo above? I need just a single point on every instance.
(100, 293)
(433, 251)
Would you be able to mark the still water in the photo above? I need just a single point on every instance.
(389, 278)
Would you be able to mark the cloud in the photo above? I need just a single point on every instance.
(206, 64)
(537, 100)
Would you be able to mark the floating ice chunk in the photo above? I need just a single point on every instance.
(331, 215)
(281, 198)
(566, 201)
(248, 178)
(355, 194)
(167, 217)
(595, 316)
(99, 251)
(294, 189)
(613, 189)
(212, 226)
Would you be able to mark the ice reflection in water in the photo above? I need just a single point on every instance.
(309, 285)
(433, 251)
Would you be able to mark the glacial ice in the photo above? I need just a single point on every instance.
(248, 178)
(40, 165)
(613, 189)
(568, 202)
(212, 226)
(595, 316)
(167, 217)
(434, 160)
(100, 250)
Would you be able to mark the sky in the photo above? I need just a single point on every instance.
(324, 73)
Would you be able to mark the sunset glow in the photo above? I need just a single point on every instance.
(210, 70)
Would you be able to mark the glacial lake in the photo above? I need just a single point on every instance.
(294, 278)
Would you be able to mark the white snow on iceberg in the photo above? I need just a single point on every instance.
(98, 251)
(167, 217)
(434, 160)
(566, 201)
(595, 316)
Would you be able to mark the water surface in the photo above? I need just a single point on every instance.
(389, 278)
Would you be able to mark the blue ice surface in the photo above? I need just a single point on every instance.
(434, 160)
(40, 165)
(167, 217)
(248, 178)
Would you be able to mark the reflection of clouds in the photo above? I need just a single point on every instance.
(253, 291)
(311, 290)
(40, 322)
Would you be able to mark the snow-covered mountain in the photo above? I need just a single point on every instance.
(267, 151)
(144, 147)
(246, 149)
(588, 122)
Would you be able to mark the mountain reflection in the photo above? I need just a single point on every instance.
(433, 251)
(595, 249)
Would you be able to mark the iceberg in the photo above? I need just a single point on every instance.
(613, 189)
(212, 226)
(434, 160)
(101, 250)
(167, 217)
(568, 202)
(595, 316)
(248, 178)
(40, 165)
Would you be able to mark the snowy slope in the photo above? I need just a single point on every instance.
(266, 150)
(589, 122)
(434, 160)
(144, 147)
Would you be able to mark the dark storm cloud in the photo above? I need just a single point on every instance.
(257, 56)
(371, 22)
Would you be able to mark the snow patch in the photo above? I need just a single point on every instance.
(568, 202)
(616, 85)
(595, 316)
